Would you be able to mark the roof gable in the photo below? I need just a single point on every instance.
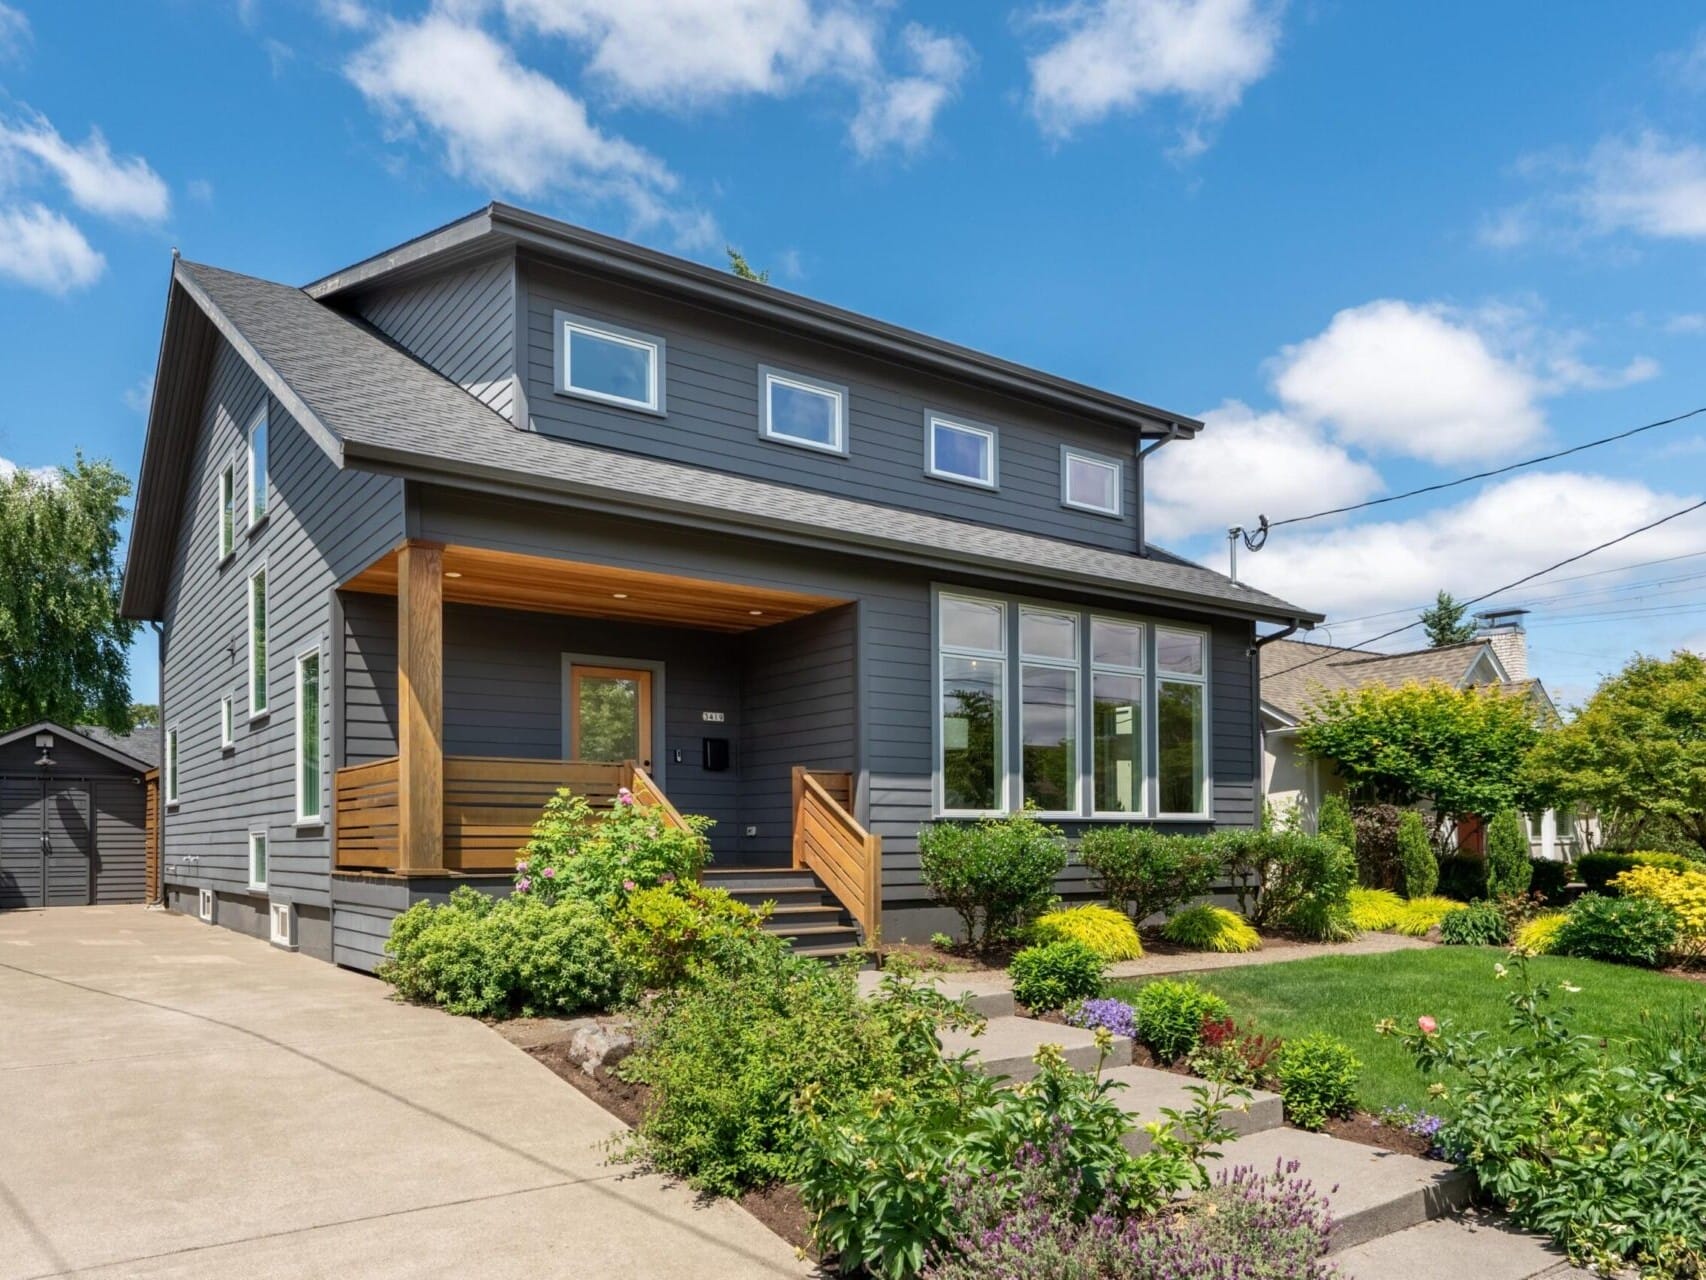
(101, 746)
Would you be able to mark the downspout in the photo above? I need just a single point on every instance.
(1142, 540)
(160, 777)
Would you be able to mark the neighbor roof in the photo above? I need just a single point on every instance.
(132, 751)
(1296, 672)
(369, 404)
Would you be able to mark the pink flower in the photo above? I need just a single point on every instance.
(1427, 1024)
(629, 885)
(521, 864)
(550, 873)
(624, 796)
(523, 885)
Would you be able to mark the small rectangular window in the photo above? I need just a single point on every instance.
(308, 736)
(258, 642)
(172, 766)
(961, 452)
(227, 509)
(258, 480)
(227, 724)
(972, 720)
(609, 363)
(257, 859)
(1090, 482)
(795, 409)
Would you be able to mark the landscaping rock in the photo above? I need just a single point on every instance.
(598, 1044)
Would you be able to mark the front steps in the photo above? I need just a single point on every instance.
(806, 912)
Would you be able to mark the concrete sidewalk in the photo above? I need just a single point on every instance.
(178, 1100)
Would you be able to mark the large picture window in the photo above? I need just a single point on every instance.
(1181, 720)
(973, 688)
(1048, 709)
(1116, 708)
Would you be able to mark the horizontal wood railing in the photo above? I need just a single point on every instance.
(490, 806)
(830, 841)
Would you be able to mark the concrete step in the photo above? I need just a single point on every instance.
(1147, 1091)
(828, 953)
(1008, 1045)
(1457, 1248)
(1373, 1193)
(990, 994)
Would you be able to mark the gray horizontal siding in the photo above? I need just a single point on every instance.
(712, 400)
(120, 851)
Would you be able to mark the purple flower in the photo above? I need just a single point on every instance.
(523, 885)
(624, 796)
(1116, 1016)
(521, 864)
(550, 873)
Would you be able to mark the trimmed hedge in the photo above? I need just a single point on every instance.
(1598, 870)
(1549, 879)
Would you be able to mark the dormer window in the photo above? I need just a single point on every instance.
(796, 409)
(960, 451)
(1090, 481)
(605, 362)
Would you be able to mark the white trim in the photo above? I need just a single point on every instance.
(259, 571)
(565, 322)
(227, 723)
(944, 651)
(266, 854)
(171, 771)
(301, 738)
(226, 518)
(769, 377)
(932, 421)
(259, 477)
(1070, 454)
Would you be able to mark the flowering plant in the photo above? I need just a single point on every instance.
(1115, 1015)
(579, 852)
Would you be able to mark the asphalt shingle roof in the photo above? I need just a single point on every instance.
(1296, 672)
(372, 403)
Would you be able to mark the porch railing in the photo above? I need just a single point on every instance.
(490, 806)
(830, 841)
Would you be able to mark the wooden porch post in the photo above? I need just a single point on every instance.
(420, 707)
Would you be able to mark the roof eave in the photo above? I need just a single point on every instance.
(99, 748)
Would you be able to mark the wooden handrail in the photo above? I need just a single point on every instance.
(647, 792)
(829, 841)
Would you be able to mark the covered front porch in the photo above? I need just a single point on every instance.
(472, 683)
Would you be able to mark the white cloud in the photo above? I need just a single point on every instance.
(138, 398)
(1503, 532)
(348, 14)
(1246, 464)
(508, 126)
(1648, 185)
(900, 112)
(1418, 380)
(98, 181)
(1687, 322)
(1118, 55)
(42, 475)
(44, 250)
(14, 33)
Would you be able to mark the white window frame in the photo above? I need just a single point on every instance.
(1205, 796)
(1145, 684)
(944, 651)
(266, 854)
(260, 469)
(934, 420)
(1074, 664)
(171, 781)
(566, 322)
(256, 713)
(1072, 453)
(769, 377)
(303, 729)
(227, 723)
(226, 520)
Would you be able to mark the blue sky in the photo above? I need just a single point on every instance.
(1375, 245)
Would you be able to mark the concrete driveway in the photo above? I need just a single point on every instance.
(178, 1100)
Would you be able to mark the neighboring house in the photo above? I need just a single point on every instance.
(75, 816)
(1295, 673)
(516, 505)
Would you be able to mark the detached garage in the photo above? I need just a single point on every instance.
(75, 817)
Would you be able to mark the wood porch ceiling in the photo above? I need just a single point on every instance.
(504, 579)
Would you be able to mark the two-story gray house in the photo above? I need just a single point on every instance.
(515, 505)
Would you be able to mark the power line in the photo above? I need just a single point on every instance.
(1538, 573)
(1486, 475)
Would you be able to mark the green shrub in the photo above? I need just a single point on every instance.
(1146, 873)
(1287, 879)
(727, 1056)
(1416, 856)
(1462, 876)
(579, 852)
(1422, 915)
(672, 932)
(490, 958)
(1334, 822)
(1055, 974)
(1508, 867)
(1107, 932)
(996, 874)
(1317, 1077)
(1635, 931)
(1206, 928)
(1481, 924)
(1548, 879)
(1539, 934)
(1377, 846)
(1598, 870)
(1375, 910)
(1170, 1016)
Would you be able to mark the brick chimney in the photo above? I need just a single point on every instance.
(1504, 629)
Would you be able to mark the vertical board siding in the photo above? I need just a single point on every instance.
(461, 323)
(322, 525)
(712, 394)
(121, 851)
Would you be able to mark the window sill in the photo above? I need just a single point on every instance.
(172, 805)
(227, 748)
(308, 824)
(833, 451)
(610, 402)
(1093, 511)
(224, 561)
(256, 717)
(257, 524)
(988, 486)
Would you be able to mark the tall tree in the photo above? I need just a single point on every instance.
(63, 646)
(742, 268)
(1637, 751)
(1444, 622)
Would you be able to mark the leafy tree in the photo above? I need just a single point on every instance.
(1458, 750)
(144, 715)
(742, 268)
(1508, 868)
(1416, 856)
(1445, 622)
(1637, 750)
(63, 645)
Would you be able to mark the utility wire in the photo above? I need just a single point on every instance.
(1485, 475)
(1487, 595)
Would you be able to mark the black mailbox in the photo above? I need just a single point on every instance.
(716, 755)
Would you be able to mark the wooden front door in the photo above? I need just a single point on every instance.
(610, 714)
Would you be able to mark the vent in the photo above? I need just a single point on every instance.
(204, 907)
(284, 925)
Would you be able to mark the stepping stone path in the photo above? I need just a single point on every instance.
(1396, 1213)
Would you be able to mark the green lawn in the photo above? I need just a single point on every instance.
(1346, 995)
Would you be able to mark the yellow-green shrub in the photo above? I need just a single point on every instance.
(1684, 892)
(1539, 932)
(1375, 910)
(1420, 915)
(1109, 933)
(1206, 928)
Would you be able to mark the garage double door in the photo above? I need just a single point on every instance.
(47, 843)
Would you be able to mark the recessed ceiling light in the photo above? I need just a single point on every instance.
(451, 573)
(757, 613)
(618, 595)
